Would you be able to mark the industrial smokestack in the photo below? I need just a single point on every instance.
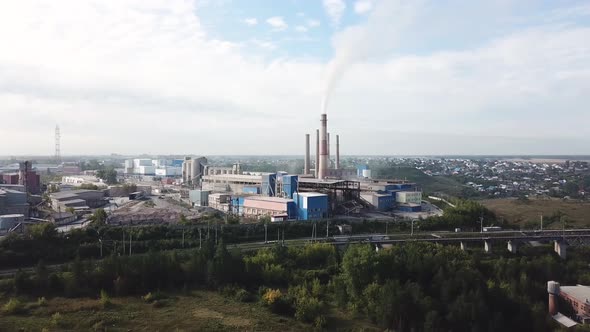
(317, 153)
(337, 151)
(323, 146)
(328, 153)
(307, 156)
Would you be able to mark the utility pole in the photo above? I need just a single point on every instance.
(481, 223)
(541, 222)
(412, 231)
(265, 233)
(327, 228)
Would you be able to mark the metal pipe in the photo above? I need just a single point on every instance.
(307, 156)
(337, 151)
(323, 146)
(317, 153)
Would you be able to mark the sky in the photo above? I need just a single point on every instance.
(239, 77)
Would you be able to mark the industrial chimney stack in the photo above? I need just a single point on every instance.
(317, 153)
(337, 151)
(307, 156)
(323, 165)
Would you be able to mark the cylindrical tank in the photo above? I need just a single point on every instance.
(8, 221)
(553, 290)
(552, 287)
(366, 173)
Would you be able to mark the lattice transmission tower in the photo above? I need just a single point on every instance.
(57, 147)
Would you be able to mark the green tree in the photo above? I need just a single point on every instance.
(99, 216)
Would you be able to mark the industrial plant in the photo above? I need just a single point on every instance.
(322, 190)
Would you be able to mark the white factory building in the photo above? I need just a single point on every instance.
(157, 167)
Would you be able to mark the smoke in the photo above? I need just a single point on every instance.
(378, 36)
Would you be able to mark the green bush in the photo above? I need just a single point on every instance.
(14, 306)
(105, 299)
(243, 295)
(42, 301)
(308, 309)
(57, 319)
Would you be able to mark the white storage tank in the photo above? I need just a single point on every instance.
(366, 173)
(8, 221)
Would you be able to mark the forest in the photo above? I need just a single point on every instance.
(412, 287)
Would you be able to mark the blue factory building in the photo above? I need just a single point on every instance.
(311, 206)
(290, 185)
(269, 184)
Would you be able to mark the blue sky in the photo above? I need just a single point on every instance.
(251, 76)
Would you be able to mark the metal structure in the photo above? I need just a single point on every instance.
(339, 191)
(337, 152)
(307, 160)
(57, 144)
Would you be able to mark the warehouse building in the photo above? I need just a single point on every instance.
(77, 199)
(311, 206)
(13, 202)
(256, 206)
(381, 201)
(576, 298)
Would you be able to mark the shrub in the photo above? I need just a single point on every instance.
(14, 306)
(308, 309)
(42, 301)
(243, 295)
(105, 299)
(277, 301)
(152, 297)
(57, 319)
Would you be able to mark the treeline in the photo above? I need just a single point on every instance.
(414, 287)
(43, 242)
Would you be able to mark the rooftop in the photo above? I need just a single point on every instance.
(269, 199)
(311, 194)
(314, 180)
(579, 292)
(71, 193)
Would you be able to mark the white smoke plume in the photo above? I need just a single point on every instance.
(377, 37)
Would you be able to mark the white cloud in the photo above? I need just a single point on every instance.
(335, 9)
(277, 22)
(301, 28)
(363, 6)
(250, 21)
(311, 23)
(264, 44)
(148, 69)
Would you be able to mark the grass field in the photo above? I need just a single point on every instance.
(515, 211)
(199, 311)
